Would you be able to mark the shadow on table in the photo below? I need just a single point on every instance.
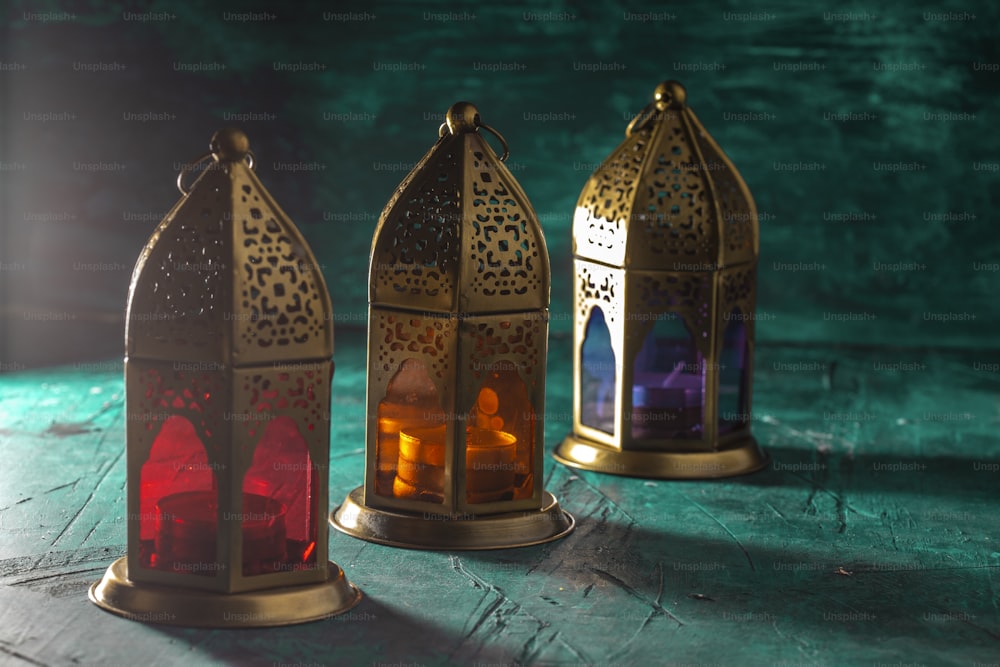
(614, 580)
(941, 475)
(370, 633)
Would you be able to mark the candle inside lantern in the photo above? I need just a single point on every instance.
(420, 468)
(411, 402)
(490, 465)
(658, 411)
(489, 457)
(187, 530)
(392, 419)
(668, 388)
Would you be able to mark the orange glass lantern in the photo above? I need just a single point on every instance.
(458, 327)
(665, 244)
(229, 344)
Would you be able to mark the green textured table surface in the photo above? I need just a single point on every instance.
(872, 538)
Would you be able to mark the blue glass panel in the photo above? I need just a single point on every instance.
(597, 375)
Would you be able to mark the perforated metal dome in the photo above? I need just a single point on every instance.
(227, 277)
(459, 235)
(667, 198)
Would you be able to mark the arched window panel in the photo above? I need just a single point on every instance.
(733, 367)
(278, 519)
(597, 375)
(409, 450)
(178, 503)
(668, 383)
(500, 438)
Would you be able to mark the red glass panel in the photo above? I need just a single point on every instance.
(172, 532)
(278, 515)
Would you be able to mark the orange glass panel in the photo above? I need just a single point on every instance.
(411, 403)
(500, 439)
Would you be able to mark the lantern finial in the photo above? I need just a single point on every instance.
(670, 95)
(229, 145)
(462, 117)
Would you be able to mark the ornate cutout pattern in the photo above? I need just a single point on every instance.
(600, 285)
(404, 335)
(519, 341)
(654, 194)
(459, 234)
(738, 217)
(503, 250)
(672, 218)
(193, 395)
(417, 247)
(227, 262)
(606, 203)
(299, 393)
(279, 297)
(738, 285)
(178, 301)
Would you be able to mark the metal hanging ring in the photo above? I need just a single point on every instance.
(642, 116)
(503, 142)
(189, 167)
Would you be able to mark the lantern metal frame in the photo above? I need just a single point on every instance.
(459, 286)
(229, 325)
(665, 228)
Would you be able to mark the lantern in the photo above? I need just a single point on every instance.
(228, 367)
(458, 325)
(665, 246)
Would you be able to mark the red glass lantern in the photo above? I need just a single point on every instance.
(229, 341)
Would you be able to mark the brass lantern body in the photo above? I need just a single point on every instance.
(458, 326)
(665, 242)
(229, 345)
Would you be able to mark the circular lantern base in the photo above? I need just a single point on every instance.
(170, 605)
(452, 532)
(737, 457)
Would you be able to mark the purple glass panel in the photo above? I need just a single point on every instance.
(668, 383)
(733, 412)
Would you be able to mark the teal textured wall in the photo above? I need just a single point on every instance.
(866, 135)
